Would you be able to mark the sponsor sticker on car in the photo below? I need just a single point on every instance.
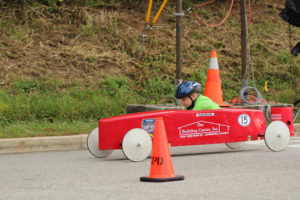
(148, 125)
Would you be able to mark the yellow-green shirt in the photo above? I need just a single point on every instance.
(204, 103)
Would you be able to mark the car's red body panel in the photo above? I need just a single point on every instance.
(187, 127)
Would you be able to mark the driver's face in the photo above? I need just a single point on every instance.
(186, 102)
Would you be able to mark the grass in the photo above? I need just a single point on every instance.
(37, 100)
(49, 108)
(35, 129)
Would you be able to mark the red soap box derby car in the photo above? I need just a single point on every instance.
(133, 132)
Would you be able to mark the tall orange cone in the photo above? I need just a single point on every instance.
(213, 87)
(161, 163)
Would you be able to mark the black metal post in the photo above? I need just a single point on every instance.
(179, 16)
(244, 42)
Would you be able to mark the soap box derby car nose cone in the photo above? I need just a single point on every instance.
(133, 132)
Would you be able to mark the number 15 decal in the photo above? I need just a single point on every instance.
(244, 120)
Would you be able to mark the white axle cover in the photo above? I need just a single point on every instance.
(277, 136)
(137, 144)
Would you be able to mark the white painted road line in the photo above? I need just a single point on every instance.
(294, 145)
(294, 142)
(256, 142)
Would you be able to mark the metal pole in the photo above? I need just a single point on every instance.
(179, 16)
(244, 42)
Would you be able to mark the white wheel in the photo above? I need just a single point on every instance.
(277, 136)
(137, 144)
(234, 145)
(93, 145)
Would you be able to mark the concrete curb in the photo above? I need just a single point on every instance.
(37, 144)
(55, 143)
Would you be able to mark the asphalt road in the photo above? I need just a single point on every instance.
(211, 172)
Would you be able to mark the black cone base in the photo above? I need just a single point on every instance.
(147, 179)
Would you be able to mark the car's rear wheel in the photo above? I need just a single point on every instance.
(234, 145)
(93, 145)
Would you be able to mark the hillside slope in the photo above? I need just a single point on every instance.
(83, 45)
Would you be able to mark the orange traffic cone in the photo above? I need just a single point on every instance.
(213, 88)
(161, 163)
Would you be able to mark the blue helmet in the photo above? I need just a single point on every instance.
(187, 88)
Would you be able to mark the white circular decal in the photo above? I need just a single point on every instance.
(244, 120)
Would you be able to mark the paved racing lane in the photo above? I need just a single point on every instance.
(211, 172)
